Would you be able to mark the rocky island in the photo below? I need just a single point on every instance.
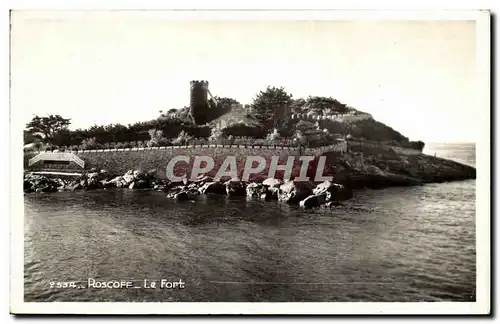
(359, 151)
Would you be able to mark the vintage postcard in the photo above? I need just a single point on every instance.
(250, 162)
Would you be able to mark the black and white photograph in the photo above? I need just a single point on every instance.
(250, 162)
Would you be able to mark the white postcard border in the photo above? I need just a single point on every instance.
(481, 306)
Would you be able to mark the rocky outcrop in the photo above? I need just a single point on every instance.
(272, 182)
(349, 171)
(333, 191)
(235, 188)
(256, 190)
(313, 201)
(355, 170)
(294, 191)
(326, 193)
(213, 188)
(202, 179)
(34, 183)
(182, 194)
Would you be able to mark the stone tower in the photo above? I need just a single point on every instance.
(199, 101)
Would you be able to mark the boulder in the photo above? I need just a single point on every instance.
(313, 201)
(193, 185)
(75, 186)
(255, 189)
(213, 188)
(92, 175)
(333, 191)
(49, 188)
(202, 178)
(374, 170)
(151, 174)
(272, 193)
(92, 184)
(235, 188)
(27, 186)
(108, 184)
(272, 182)
(116, 179)
(159, 187)
(193, 193)
(181, 196)
(141, 184)
(104, 174)
(294, 191)
(127, 179)
(330, 204)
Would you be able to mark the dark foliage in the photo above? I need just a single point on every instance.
(270, 107)
(47, 127)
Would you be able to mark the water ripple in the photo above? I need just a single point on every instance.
(396, 244)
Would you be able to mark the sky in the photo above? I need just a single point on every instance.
(419, 77)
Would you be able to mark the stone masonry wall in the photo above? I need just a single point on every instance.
(121, 160)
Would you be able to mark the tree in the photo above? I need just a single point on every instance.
(62, 138)
(31, 138)
(271, 106)
(297, 105)
(47, 126)
(324, 105)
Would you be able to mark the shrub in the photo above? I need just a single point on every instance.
(89, 144)
(164, 142)
(300, 138)
(216, 134)
(244, 130)
(182, 139)
(156, 137)
(273, 136)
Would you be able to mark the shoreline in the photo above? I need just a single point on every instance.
(348, 172)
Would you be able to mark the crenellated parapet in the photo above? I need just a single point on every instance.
(200, 83)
